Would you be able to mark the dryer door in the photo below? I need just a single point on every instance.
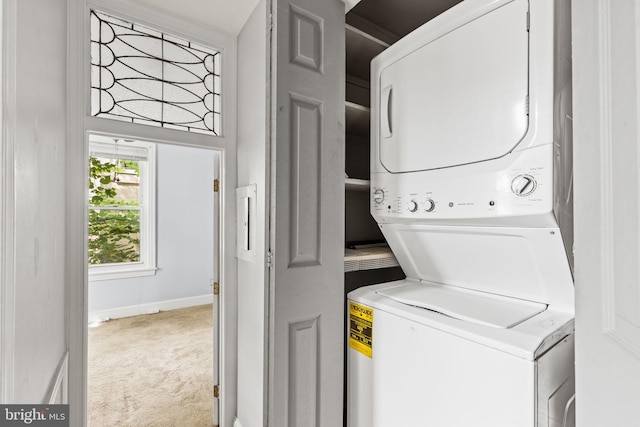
(460, 96)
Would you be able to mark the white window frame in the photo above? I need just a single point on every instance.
(147, 266)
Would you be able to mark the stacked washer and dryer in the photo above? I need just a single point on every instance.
(471, 186)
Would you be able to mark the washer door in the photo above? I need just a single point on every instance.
(459, 97)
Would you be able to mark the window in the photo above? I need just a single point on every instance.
(141, 75)
(121, 208)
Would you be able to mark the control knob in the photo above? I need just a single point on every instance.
(430, 205)
(523, 185)
(413, 206)
(378, 196)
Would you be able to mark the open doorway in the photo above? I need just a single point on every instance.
(152, 267)
(174, 63)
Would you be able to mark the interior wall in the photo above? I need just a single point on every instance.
(252, 169)
(34, 141)
(185, 227)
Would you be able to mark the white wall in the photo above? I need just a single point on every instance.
(252, 169)
(34, 201)
(185, 221)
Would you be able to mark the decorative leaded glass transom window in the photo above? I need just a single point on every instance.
(145, 76)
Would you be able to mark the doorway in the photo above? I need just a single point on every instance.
(82, 119)
(152, 240)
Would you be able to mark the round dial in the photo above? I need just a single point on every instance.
(523, 185)
(378, 196)
(413, 206)
(430, 205)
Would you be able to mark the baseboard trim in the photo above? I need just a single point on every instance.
(150, 308)
(58, 392)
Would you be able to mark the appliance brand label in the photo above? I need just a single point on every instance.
(361, 328)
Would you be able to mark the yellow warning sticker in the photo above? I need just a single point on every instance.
(360, 328)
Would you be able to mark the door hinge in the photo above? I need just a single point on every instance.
(526, 106)
(269, 259)
(216, 391)
(528, 21)
(216, 288)
(216, 185)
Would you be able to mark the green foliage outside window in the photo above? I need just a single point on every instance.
(114, 233)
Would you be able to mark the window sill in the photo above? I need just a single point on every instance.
(111, 273)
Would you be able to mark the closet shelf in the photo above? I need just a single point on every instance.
(361, 49)
(356, 184)
(357, 119)
(357, 108)
(374, 41)
(358, 91)
(369, 259)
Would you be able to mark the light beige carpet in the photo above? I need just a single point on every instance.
(152, 370)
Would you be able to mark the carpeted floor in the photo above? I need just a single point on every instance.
(152, 370)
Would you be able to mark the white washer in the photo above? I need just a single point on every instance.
(471, 186)
(432, 353)
(451, 357)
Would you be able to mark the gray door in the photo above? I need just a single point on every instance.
(307, 214)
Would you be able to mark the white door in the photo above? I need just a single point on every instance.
(606, 109)
(306, 300)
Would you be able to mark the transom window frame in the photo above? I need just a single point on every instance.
(140, 74)
(155, 19)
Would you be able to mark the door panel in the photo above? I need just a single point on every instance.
(307, 214)
(607, 211)
(305, 227)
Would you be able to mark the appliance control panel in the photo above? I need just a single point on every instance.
(523, 187)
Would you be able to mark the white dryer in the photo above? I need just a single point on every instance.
(471, 186)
